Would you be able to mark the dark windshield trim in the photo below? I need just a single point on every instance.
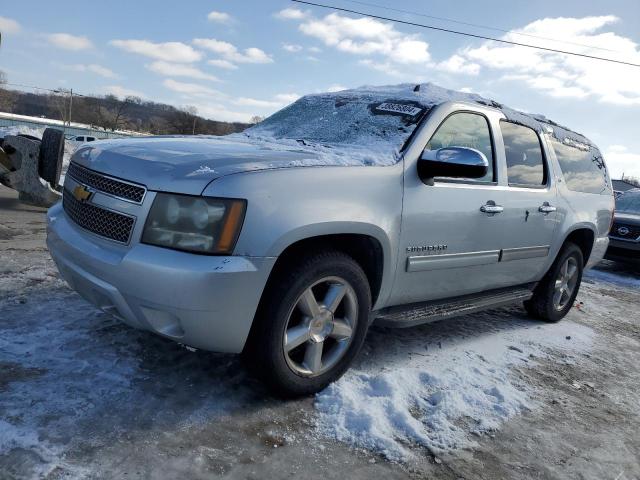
(421, 120)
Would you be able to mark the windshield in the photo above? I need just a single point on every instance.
(377, 123)
(629, 202)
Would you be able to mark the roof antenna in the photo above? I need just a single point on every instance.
(416, 88)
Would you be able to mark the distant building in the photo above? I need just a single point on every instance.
(622, 185)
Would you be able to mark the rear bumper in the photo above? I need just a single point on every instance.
(206, 302)
(598, 251)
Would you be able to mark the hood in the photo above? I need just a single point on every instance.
(627, 217)
(185, 164)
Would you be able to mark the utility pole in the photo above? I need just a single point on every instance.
(70, 105)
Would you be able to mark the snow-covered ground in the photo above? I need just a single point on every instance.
(441, 386)
(84, 396)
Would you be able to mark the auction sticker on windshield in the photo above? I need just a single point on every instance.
(402, 109)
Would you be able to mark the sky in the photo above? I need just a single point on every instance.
(236, 59)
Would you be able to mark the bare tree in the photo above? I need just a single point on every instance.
(256, 119)
(114, 115)
(7, 97)
(59, 102)
(183, 120)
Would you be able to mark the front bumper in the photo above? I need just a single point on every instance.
(623, 250)
(202, 301)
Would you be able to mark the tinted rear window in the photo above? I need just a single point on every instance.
(583, 168)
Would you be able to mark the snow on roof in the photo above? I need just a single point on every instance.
(318, 117)
(430, 95)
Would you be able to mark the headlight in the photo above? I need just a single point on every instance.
(194, 224)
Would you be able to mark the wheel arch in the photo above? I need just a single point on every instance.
(367, 245)
(584, 236)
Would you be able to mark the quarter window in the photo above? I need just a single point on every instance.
(469, 130)
(525, 163)
(583, 168)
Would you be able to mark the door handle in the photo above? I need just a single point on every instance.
(546, 208)
(491, 208)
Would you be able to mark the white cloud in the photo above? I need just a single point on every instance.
(9, 26)
(191, 89)
(315, 49)
(291, 47)
(168, 51)
(621, 161)
(180, 70)
(286, 98)
(291, 14)
(384, 67)
(226, 64)
(458, 64)
(92, 68)
(367, 37)
(254, 102)
(67, 41)
(219, 17)
(122, 92)
(278, 101)
(564, 76)
(231, 53)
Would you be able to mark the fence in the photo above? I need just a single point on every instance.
(74, 129)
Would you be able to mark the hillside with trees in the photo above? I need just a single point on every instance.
(110, 113)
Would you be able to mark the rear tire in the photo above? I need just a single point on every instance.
(556, 293)
(51, 154)
(310, 325)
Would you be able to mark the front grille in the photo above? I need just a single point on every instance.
(105, 223)
(633, 231)
(105, 184)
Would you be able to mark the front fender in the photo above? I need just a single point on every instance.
(285, 206)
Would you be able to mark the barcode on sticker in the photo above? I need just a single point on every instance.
(399, 108)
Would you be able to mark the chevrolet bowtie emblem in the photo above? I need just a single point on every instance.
(82, 193)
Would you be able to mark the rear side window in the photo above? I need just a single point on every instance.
(583, 168)
(525, 162)
(466, 129)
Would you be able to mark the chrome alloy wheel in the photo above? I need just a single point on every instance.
(320, 326)
(565, 283)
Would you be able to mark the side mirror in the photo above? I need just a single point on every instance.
(452, 162)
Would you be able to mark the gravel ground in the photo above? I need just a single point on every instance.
(485, 396)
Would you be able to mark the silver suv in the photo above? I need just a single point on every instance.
(394, 205)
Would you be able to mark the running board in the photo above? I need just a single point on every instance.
(418, 313)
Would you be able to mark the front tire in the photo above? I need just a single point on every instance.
(556, 293)
(51, 155)
(310, 325)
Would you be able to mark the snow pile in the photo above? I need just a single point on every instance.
(437, 385)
